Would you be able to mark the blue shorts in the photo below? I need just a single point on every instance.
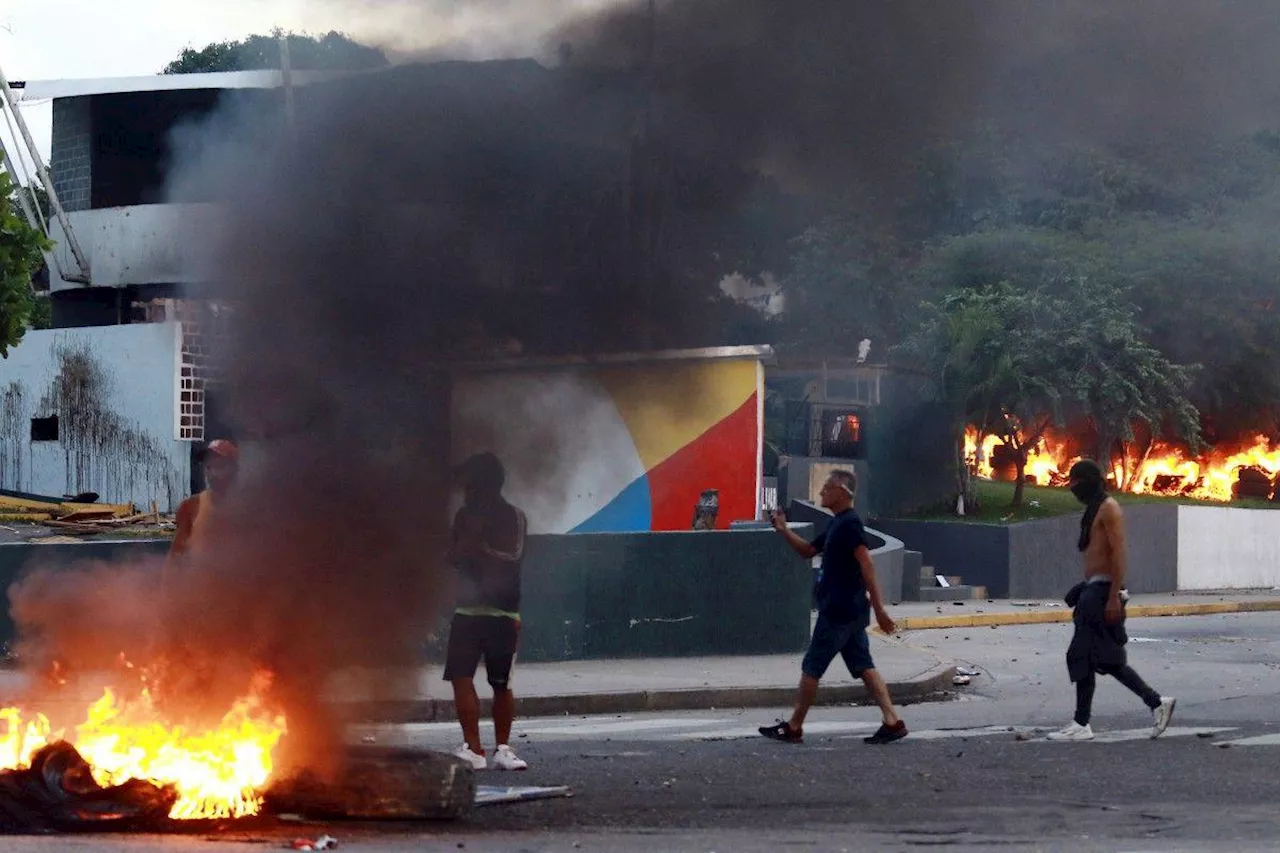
(847, 639)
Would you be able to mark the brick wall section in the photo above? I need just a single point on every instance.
(204, 326)
(71, 152)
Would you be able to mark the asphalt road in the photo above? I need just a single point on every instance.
(975, 775)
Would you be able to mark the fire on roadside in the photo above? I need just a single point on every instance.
(218, 772)
(1248, 470)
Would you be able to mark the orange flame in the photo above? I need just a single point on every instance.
(218, 773)
(1167, 470)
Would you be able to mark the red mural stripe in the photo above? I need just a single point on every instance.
(725, 457)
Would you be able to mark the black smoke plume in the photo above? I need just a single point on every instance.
(405, 222)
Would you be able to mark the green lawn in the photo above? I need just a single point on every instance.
(1045, 502)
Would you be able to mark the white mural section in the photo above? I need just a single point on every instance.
(1228, 548)
(567, 451)
(94, 410)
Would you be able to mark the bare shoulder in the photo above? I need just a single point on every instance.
(188, 508)
(1110, 512)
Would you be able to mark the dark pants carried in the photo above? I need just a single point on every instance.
(1097, 647)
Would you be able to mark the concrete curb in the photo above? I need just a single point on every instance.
(932, 686)
(1063, 614)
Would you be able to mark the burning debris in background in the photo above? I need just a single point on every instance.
(1248, 470)
(404, 221)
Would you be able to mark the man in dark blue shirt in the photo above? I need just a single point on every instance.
(847, 595)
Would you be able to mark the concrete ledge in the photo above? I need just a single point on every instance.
(934, 685)
(1063, 614)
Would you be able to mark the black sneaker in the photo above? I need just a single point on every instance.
(782, 731)
(888, 734)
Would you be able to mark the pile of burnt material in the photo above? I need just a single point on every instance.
(1257, 484)
(57, 793)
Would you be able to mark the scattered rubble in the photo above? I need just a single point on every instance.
(80, 516)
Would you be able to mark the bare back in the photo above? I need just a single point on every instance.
(1105, 553)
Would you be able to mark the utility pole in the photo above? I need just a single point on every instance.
(286, 76)
(10, 102)
(648, 183)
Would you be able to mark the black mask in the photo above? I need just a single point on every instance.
(1086, 490)
(1091, 493)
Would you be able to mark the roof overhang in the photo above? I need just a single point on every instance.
(40, 90)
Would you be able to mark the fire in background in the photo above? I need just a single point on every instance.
(1248, 470)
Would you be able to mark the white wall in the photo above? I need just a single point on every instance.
(1228, 548)
(140, 244)
(114, 390)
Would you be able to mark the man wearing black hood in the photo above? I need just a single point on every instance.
(1099, 639)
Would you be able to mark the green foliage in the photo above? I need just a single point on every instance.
(21, 254)
(332, 51)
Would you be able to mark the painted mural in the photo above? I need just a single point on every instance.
(622, 448)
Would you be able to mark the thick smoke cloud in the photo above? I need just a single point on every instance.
(413, 219)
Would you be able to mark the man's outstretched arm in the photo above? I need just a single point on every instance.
(807, 550)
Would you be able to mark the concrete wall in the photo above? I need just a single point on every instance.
(978, 553)
(1220, 548)
(113, 390)
(1044, 559)
(140, 244)
(621, 447)
(1039, 559)
(625, 595)
(603, 596)
(15, 557)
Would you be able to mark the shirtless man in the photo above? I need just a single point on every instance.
(198, 514)
(1098, 602)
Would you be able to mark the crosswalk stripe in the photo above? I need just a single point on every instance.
(615, 727)
(680, 729)
(740, 733)
(1144, 733)
(1259, 740)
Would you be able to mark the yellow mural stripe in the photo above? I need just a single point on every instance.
(666, 406)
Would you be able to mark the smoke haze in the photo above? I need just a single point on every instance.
(433, 214)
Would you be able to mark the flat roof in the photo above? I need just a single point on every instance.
(39, 90)
(760, 353)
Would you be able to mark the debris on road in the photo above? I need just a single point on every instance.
(57, 793)
(489, 795)
(324, 842)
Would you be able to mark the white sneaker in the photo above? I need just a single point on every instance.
(477, 762)
(1075, 731)
(1163, 715)
(505, 758)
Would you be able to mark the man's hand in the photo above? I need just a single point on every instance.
(887, 625)
(1114, 613)
(779, 520)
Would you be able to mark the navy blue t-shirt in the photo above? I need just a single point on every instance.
(842, 594)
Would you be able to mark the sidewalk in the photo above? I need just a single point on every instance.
(919, 616)
(627, 686)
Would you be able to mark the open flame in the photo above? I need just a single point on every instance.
(1250, 471)
(219, 772)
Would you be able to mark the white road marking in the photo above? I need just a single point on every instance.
(1144, 733)
(1259, 740)
(644, 727)
(614, 727)
(742, 733)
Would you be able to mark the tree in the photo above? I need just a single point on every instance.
(1120, 380)
(1016, 359)
(332, 51)
(21, 254)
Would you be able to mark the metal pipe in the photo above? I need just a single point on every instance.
(56, 205)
